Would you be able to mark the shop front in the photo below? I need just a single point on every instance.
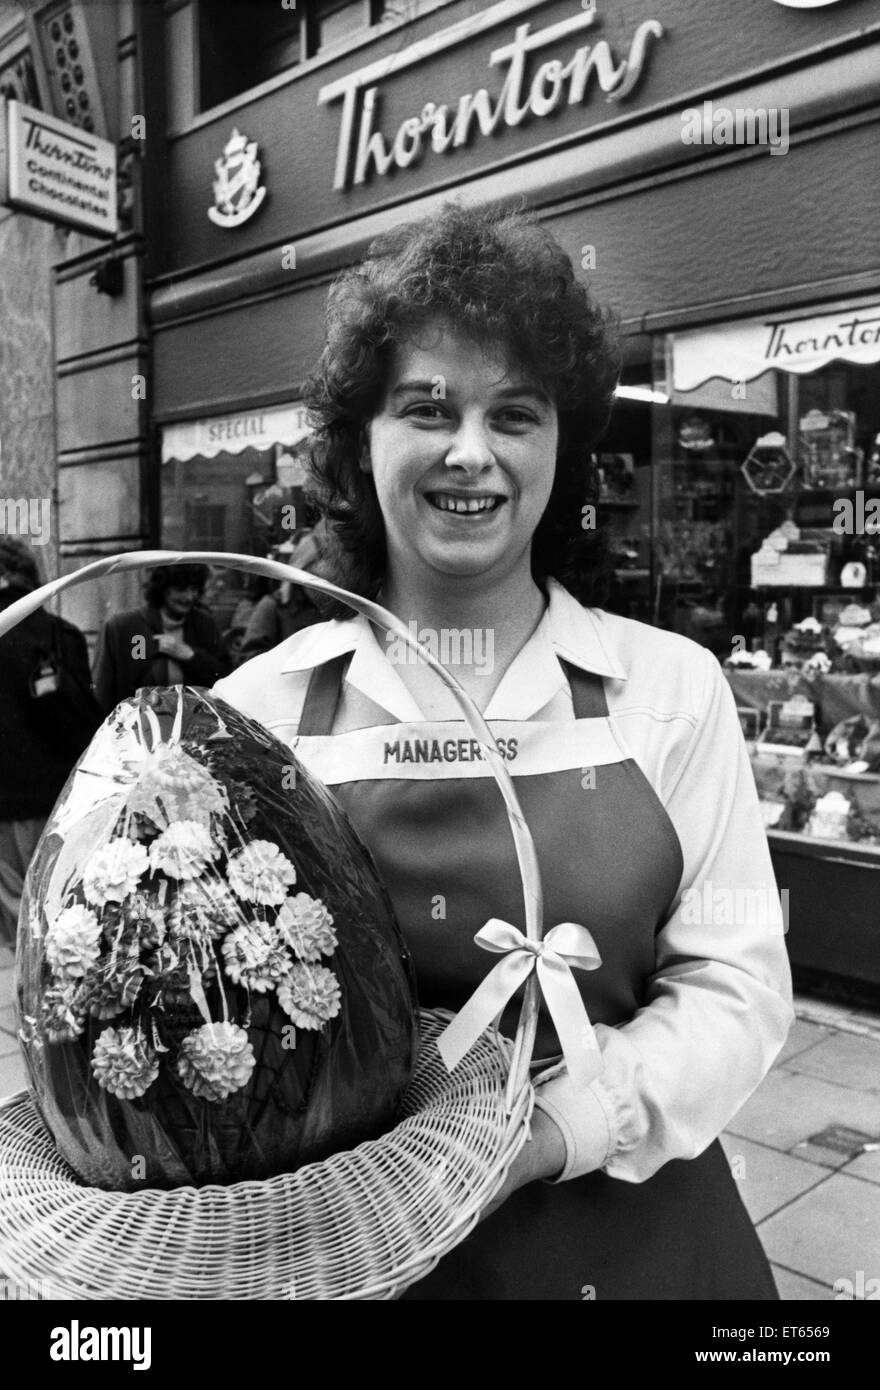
(235, 483)
(713, 173)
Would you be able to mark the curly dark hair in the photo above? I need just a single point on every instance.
(165, 577)
(501, 279)
(18, 564)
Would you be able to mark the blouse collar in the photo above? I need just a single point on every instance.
(567, 632)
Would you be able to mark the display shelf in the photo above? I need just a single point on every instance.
(833, 895)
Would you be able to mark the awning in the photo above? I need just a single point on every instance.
(232, 434)
(799, 343)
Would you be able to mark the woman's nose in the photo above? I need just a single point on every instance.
(470, 449)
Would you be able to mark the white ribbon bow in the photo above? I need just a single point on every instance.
(564, 947)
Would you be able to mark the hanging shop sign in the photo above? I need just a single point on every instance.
(741, 351)
(57, 171)
(232, 434)
(441, 127)
(237, 190)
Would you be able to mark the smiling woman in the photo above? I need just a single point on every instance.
(434, 304)
(467, 375)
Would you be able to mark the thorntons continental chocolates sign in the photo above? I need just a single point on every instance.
(440, 128)
(58, 171)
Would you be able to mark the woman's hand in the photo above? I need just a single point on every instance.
(175, 647)
(541, 1156)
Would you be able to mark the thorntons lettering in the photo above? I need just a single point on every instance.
(553, 84)
(857, 332)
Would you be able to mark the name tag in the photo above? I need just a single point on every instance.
(45, 681)
(431, 751)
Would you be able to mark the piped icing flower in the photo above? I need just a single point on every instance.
(73, 942)
(307, 927)
(172, 786)
(260, 873)
(310, 996)
(184, 850)
(124, 1063)
(112, 873)
(62, 1019)
(255, 956)
(205, 907)
(216, 1060)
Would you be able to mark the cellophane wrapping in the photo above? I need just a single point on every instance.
(212, 985)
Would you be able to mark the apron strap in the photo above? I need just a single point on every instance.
(587, 692)
(323, 695)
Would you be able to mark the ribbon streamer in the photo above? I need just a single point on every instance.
(565, 946)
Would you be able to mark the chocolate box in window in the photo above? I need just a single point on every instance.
(790, 729)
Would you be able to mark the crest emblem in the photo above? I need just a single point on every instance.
(237, 193)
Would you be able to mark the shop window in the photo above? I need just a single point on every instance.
(236, 484)
(764, 526)
(205, 526)
(242, 43)
(335, 21)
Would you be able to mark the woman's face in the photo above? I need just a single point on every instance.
(463, 455)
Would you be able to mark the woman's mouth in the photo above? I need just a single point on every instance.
(478, 505)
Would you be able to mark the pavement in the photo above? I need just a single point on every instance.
(805, 1149)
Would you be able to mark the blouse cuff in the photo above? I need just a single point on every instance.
(585, 1118)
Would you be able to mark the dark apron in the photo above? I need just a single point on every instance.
(611, 861)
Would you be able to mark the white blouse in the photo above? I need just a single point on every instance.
(719, 1003)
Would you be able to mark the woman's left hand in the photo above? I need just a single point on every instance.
(541, 1156)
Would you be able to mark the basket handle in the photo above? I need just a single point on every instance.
(275, 569)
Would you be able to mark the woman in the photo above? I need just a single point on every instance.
(465, 378)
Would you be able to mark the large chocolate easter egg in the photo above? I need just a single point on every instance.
(212, 984)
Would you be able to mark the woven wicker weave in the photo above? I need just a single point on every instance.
(363, 1224)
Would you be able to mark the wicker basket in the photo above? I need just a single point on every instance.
(362, 1224)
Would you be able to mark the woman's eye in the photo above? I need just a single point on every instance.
(516, 416)
(426, 410)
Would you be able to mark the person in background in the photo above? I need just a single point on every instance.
(289, 608)
(171, 640)
(47, 717)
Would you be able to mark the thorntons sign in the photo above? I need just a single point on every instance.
(59, 171)
(440, 128)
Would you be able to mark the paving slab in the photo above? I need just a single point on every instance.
(7, 1019)
(866, 1166)
(7, 993)
(789, 1107)
(794, 1287)
(766, 1178)
(12, 1073)
(8, 1044)
(802, 1036)
(844, 1059)
(830, 1234)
